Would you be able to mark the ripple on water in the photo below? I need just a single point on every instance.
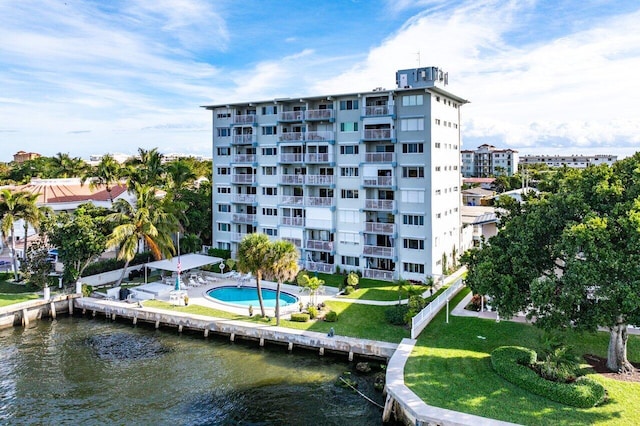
(125, 346)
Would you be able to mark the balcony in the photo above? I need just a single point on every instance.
(291, 137)
(244, 119)
(377, 181)
(291, 158)
(246, 179)
(238, 236)
(385, 205)
(244, 218)
(319, 267)
(318, 114)
(291, 179)
(377, 110)
(318, 158)
(380, 228)
(292, 200)
(295, 241)
(319, 179)
(377, 134)
(319, 136)
(244, 158)
(292, 221)
(320, 201)
(291, 116)
(244, 198)
(378, 274)
(319, 245)
(378, 251)
(246, 139)
(379, 157)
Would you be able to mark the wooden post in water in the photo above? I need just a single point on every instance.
(52, 307)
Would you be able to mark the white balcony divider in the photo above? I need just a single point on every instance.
(422, 319)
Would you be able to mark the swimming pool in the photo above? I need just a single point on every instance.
(246, 296)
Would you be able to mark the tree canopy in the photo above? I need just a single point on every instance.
(570, 257)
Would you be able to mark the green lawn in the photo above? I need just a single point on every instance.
(354, 320)
(11, 293)
(10, 299)
(450, 367)
(368, 289)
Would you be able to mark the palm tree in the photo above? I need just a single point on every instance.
(31, 214)
(146, 169)
(282, 265)
(252, 257)
(65, 166)
(147, 221)
(12, 205)
(180, 173)
(107, 173)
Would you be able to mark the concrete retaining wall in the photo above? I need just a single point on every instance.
(107, 277)
(25, 313)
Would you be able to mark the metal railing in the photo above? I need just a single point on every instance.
(292, 221)
(244, 198)
(291, 158)
(377, 181)
(377, 134)
(319, 135)
(318, 114)
(292, 179)
(319, 201)
(243, 178)
(319, 267)
(377, 110)
(292, 200)
(291, 116)
(422, 319)
(380, 228)
(378, 274)
(244, 158)
(319, 245)
(244, 119)
(379, 204)
(318, 158)
(378, 251)
(319, 179)
(379, 157)
(291, 136)
(244, 218)
(243, 139)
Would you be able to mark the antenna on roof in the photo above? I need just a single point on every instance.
(418, 53)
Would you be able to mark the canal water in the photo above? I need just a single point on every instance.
(76, 371)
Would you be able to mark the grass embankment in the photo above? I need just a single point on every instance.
(450, 367)
(11, 293)
(354, 320)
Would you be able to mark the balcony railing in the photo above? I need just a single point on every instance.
(292, 200)
(244, 158)
(295, 241)
(319, 267)
(378, 274)
(380, 228)
(244, 218)
(291, 179)
(291, 158)
(246, 139)
(377, 181)
(371, 204)
(318, 158)
(291, 137)
(319, 179)
(243, 178)
(318, 114)
(323, 135)
(237, 236)
(320, 201)
(379, 157)
(378, 251)
(244, 119)
(291, 116)
(244, 198)
(319, 245)
(377, 134)
(292, 221)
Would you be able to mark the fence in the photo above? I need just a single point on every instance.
(420, 321)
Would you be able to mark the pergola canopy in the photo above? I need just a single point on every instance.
(187, 261)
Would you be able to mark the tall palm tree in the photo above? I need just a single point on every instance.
(282, 265)
(148, 221)
(180, 173)
(252, 257)
(31, 214)
(107, 173)
(12, 205)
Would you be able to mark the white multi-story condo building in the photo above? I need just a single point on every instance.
(575, 161)
(366, 181)
(488, 160)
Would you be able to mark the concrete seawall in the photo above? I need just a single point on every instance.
(239, 329)
(25, 313)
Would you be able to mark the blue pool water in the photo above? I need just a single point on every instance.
(246, 296)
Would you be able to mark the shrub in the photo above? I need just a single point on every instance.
(86, 290)
(217, 252)
(348, 290)
(113, 264)
(396, 314)
(515, 364)
(313, 312)
(299, 317)
(331, 316)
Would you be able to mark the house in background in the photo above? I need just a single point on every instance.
(479, 223)
(22, 156)
(477, 196)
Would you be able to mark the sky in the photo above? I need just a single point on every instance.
(93, 77)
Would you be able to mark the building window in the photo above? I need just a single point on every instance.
(438, 192)
(412, 196)
(223, 114)
(411, 124)
(413, 244)
(437, 144)
(223, 151)
(223, 132)
(269, 110)
(412, 100)
(350, 238)
(437, 121)
(349, 193)
(437, 168)
(224, 190)
(269, 130)
(223, 171)
(269, 190)
(272, 232)
(349, 149)
(224, 246)
(267, 211)
(224, 227)
(349, 171)
(413, 172)
(414, 220)
(351, 260)
(417, 268)
(349, 126)
(224, 208)
(347, 105)
(269, 151)
(412, 148)
(269, 170)
(349, 216)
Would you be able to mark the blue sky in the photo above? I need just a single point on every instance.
(90, 77)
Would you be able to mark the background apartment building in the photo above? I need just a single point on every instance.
(488, 160)
(365, 181)
(575, 161)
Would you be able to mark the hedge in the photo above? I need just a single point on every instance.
(299, 317)
(512, 363)
(107, 265)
